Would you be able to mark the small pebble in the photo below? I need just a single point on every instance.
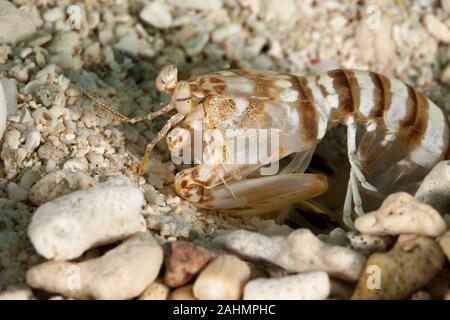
(435, 188)
(157, 290)
(302, 286)
(444, 242)
(272, 10)
(40, 39)
(47, 93)
(368, 243)
(437, 28)
(225, 32)
(274, 229)
(183, 260)
(29, 179)
(196, 44)
(32, 140)
(156, 14)
(337, 237)
(17, 294)
(210, 5)
(53, 15)
(59, 183)
(76, 164)
(5, 52)
(129, 43)
(12, 139)
(65, 42)
(25, 52)
(92, 54)
(16, 192)
(223, 279)
(49, 152)
(182, 293)
(15, 24)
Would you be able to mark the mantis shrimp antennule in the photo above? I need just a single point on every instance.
(116, 115)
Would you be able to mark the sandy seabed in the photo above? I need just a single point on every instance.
(56, 143)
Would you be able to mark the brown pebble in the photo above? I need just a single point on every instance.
(183, 260)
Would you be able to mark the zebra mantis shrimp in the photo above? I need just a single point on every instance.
(404, 134)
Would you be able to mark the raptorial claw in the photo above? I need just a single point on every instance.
(259, 195)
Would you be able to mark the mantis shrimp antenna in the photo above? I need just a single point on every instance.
(166, 81)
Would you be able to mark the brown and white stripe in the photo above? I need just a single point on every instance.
(309, 118)
(370, 96)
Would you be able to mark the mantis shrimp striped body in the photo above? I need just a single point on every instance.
(404, 134)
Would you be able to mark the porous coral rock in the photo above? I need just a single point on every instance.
(64, 228)
(300, 251)
(121, 273)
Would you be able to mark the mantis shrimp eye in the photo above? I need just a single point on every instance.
(183, 98)
(167, 78)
